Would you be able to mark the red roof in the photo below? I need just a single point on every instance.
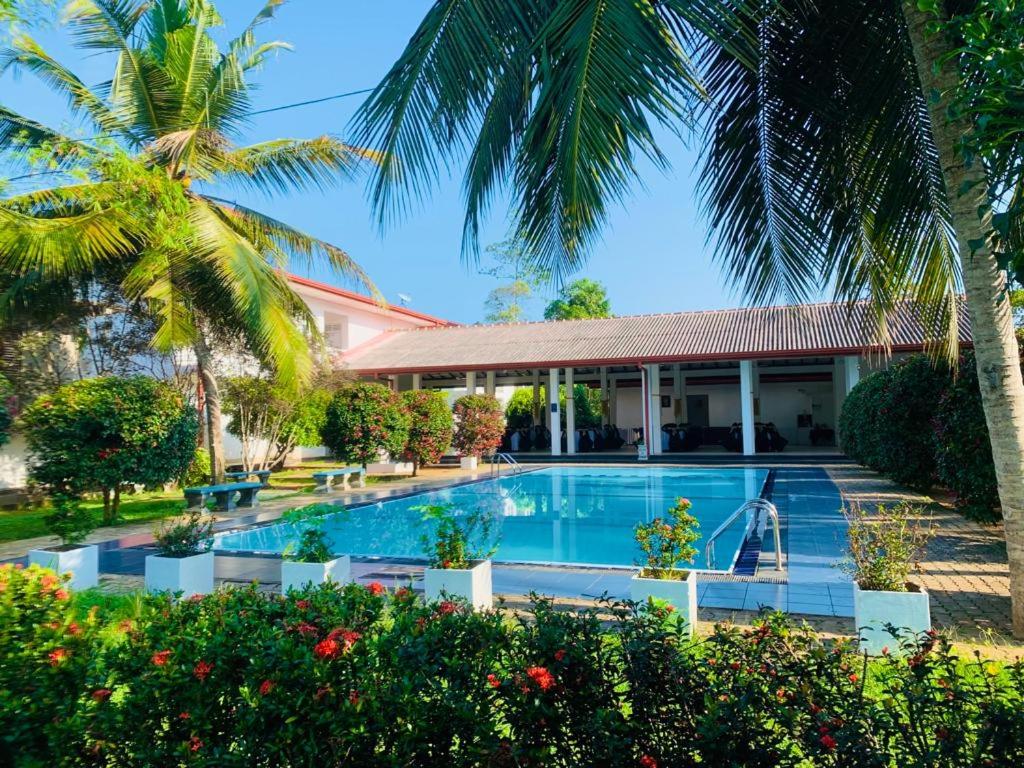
(381, 305)
(802, 330)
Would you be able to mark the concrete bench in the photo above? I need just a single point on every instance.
(224, 495)
(263, 475)
(325, 478)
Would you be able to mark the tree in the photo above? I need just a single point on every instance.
(101, 434)
(132, 209)
(430, 429)
(479, 424)
(505, 304)
(834, 153)
(364, 420)
(587, 406)
(271, 420)
(579, 300)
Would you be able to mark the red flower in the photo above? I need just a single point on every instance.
(493, 681)
(327, 648)
(195, 744)
(540, 675)
(828, 742)
(402, 592)
(202, 670)
(57, 656)
(447, 607)
(61, 594)
(648, 762)
(160, 658)
(74, 629)
(348, 637)
(184, 716)
(353, 698)
(266, 687)
(853, 677)
(305, 628)
(47, 582)
(375, 587)
(321, 692)
(101, 694)
(559, 654)
(302, 604)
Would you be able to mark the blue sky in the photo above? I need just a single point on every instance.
(653, 257)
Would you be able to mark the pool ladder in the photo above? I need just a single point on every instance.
(498, 458)
(758, 505)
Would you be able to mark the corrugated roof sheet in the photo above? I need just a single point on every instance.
(751, 333)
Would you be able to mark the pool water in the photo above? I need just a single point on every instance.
(558, 515)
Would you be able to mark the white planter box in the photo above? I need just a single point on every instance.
(473, 584)
(469, 462)
(872, 610)
(680, 594)
(191, 575)
(389, 468)
(296, 575)
(81, 562)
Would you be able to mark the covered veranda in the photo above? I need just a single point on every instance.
(752, 381)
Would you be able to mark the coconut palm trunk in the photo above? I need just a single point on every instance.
(212, 400)
(985, 284)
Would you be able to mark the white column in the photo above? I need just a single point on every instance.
(838, 387)
(536, 398)
(489, 383)
(556, 421)
(747, 405)
(605, 407)
(653, 429)
(416, 381)
(570, 413)
(470, 382)
(852, 372)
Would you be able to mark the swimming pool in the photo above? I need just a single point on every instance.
(558, 515)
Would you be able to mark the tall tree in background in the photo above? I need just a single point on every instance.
(166, 124)
(835, 152)
(521, 279)
(579, 300)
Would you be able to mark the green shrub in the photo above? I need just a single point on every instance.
(100, 434)
(884, 547)
(668, 543)
(479, 424)
(350, 675)
(456, 540)
(185, 536)
(69, 521)
(311, 543)
(198, 472)
(430, 429)
(363, 420)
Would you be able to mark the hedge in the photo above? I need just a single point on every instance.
(358, 675)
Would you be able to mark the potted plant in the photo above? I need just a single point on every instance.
(184, 563)
(458, 567)
(667, 543)
(883, 548)
(308, 560)
(71, 523)
(479, 427)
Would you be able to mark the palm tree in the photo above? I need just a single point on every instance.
(825, 162)
(136, 207)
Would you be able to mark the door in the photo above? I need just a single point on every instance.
(697, 410)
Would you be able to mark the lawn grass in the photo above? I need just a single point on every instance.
(28, 523)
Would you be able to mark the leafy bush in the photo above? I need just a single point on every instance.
(363, 420)
(102, 433)
(479, 424)
(185, 536)
(456, 540)
(198, 472)
(69, 521)
(587, 406)
(430, 429)
(668, 543)
(312, 544)
(884, 547)
(349, 675)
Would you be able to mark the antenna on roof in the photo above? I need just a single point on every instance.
(405, 299)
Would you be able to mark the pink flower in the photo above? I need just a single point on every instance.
(447, 607)
(195, 744)
(302, 604)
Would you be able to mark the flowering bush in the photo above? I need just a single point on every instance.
(430, 429)
(884, 547)
(479, 424)
(99, 434)
(365, 419)
(348, 675)
(668, 543)
(185, 536)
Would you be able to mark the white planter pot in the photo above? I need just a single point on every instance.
(296, 575)
(909, 612)
(191, 575)
(680, 594)
(81, 562)
(469, 462)
(389, 468)
(473, 584)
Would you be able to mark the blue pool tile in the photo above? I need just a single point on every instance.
(811, 609)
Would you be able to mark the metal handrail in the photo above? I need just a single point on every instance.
(496, 460)
(755, 504)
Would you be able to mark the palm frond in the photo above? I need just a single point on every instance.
(287, 165)
(18, 133)
(157, 278)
